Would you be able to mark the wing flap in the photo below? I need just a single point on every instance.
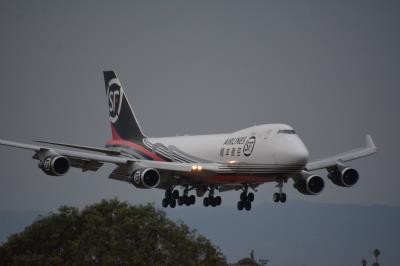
(121, 173)
(85, 165)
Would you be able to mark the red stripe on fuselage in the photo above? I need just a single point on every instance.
(233, 179)
(117, 140)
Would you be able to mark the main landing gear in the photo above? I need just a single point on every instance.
(280, 196)
(185, 199)
(210, 200)
(172, 198)
(245, 200)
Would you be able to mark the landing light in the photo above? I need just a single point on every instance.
(197, 167)
(232, 161)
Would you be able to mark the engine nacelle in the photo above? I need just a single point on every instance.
(146, 178)
(309, 184)
(343, 176)
(55, 165)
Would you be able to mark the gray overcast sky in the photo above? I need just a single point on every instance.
(329, 69)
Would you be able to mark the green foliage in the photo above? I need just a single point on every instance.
(247, 261)
(376, 253)
(252, 254)
(364, 262)
(109, 233)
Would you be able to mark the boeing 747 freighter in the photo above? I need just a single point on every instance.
(206, 164)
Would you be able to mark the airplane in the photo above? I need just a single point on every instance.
(241, 161)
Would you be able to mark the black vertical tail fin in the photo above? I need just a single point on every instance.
(124, 124)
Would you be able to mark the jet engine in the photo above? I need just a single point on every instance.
(309, 184)
(343, 176)
(55, 165)
(146, 178)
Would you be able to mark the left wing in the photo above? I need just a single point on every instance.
(332, 161)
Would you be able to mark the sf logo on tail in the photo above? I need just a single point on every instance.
(115, 95)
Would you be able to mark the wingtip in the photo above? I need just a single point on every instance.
(369, 142)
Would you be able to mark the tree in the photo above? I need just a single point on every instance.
(109, 233)
(364, 262)
(376, 254)
(263, 262)
(252, 254)
(249, 261)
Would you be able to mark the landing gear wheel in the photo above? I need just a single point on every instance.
(246, 198)
(240, 205)
(276, 197)
(175, 194)
(243, 196)
(192, 199)
(186, 200)
(212, 202)
(206, 202)
(250, 197)
(247, 205)
(172, 203)
(164, 203)
(283, 197)
(217, 200)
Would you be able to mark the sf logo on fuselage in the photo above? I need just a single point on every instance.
(249, 146)
(115, 95)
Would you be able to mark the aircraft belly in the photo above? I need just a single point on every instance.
(225, 179)
(243, 176)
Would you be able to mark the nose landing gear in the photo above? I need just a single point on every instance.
(280, 196)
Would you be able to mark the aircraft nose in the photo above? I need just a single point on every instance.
(299, 154)
(293, 153)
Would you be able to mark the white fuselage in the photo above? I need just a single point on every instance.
(270, 144)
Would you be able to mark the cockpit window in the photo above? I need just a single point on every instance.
(286, 131)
